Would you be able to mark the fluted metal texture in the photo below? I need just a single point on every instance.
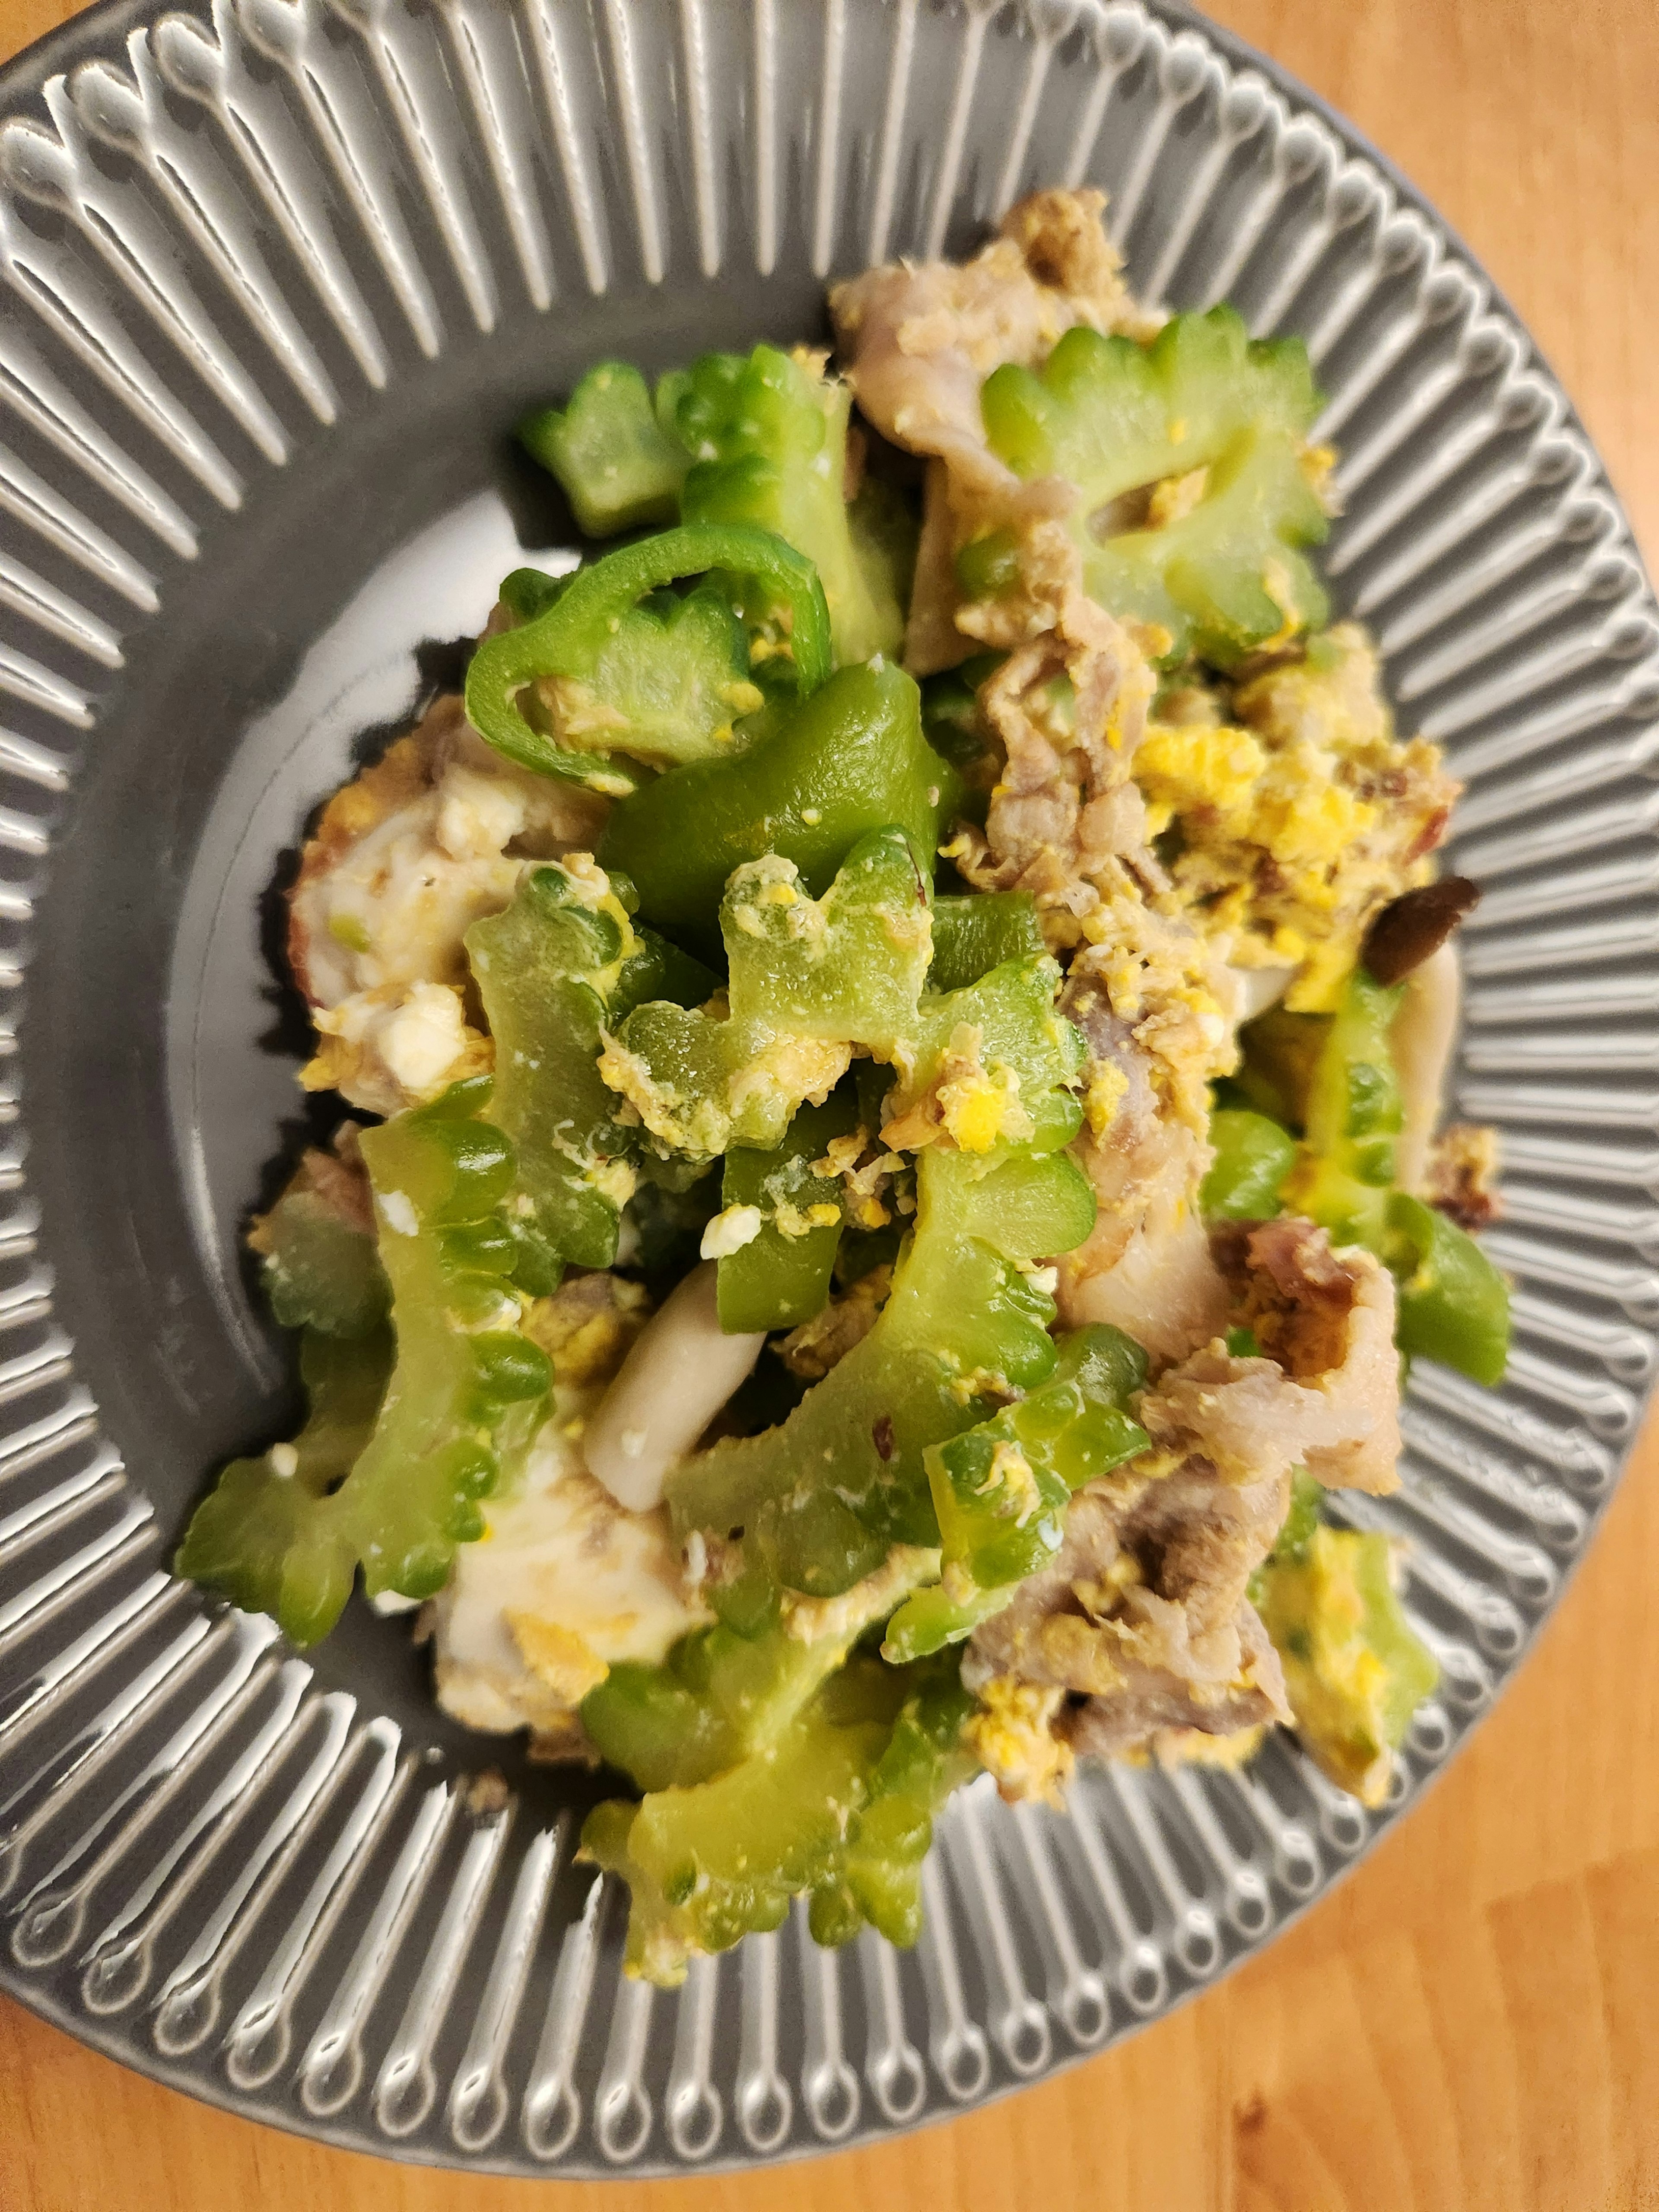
(262, 1891)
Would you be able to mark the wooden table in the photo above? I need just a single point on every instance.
(1473, 2020)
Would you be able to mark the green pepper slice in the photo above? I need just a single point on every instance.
(781, 1277)
(1454, 1304)
(568, 637)
(850, 759)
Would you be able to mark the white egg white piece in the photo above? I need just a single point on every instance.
(563, 1584)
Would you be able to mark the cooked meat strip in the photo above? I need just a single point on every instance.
(1064, 806)
(1327, 1320)
(1462, 1176)
(1155, 1713)
(916, 341)
(1144, 1612)
(1145, 1266)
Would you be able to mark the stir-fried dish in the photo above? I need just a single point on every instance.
(893, 1041)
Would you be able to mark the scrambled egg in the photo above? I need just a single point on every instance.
(1159, 976)
(587, 1326)
(404, 860)
(1354, 1672)
(1011, 1734)
(563, 1584)
(385, 1048)
(967, 1103)
(1193, 1748)
(1291, 825)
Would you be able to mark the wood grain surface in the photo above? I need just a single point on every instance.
(1471, 2024)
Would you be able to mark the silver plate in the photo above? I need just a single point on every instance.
(277, 274)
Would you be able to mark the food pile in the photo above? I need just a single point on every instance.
(895, 1038)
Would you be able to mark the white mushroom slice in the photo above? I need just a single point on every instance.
(1253, 990)
(1424, 1030)
(680, 1372)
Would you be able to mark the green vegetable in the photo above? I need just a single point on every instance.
(1113, 418)
(320, 1272)
(439, 1176)
(822, 1496)
(878, 1877)
(271, 1541)
(464, 1385)
(1301, 1519)
(975, 934)
(840, 1803)
(1253, 1156)
(782, 1277)
(987, 567)
(527, 592)
(669, 685)
(950, 716)
(850, 760)
(1279, 1052)
(1354, 1672)
(1354, 1113)
(723, 1696)
(661, 678)
(1454, 1304)
(620, 467)
(808, 979)
(769, 441)
(998, 1057)
(561, 963)
(710, 1864)
(1000, 1489)
(886, 533)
